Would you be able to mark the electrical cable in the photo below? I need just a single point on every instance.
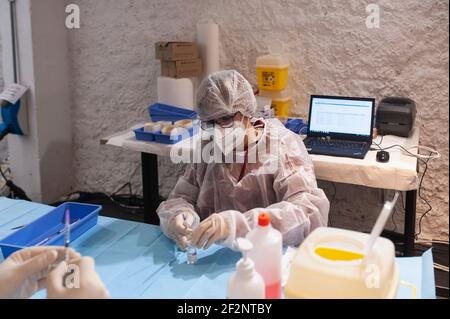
(379, 143)
(127, 201)
(434, 154)
(330, 224)
(418, 156)
(422, 198)
(393, 219)
(15, 191)
(403, 202)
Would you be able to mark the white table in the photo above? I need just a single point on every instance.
(400, 173)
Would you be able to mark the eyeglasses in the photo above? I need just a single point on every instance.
(224, 122)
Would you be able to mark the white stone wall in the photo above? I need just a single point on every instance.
(330, 51)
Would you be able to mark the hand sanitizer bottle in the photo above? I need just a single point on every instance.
(245, 283)
(267, 254)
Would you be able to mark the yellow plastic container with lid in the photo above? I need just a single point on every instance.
(330, 264)
(281, 102)
(272, 72)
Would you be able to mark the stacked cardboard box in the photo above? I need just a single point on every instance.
(178, 59)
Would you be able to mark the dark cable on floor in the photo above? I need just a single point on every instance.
(133, 202)
(393, 219)
(330, 224)
(15, 191)
(403, 201)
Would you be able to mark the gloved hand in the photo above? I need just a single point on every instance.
(212, 229)
(180, 227)
(90, 284)
(24, 272)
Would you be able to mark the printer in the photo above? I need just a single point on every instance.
(395, 116)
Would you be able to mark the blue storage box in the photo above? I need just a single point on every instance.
(164, 112)
(158, 137)
(48, 229)
(141, 135)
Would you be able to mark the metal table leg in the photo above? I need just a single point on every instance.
(150, 188)
(410, 222)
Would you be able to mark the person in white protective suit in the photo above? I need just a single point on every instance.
(217, 201)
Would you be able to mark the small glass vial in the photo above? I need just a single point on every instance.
(191, 254)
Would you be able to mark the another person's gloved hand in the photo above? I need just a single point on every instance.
(179, 228)
(90, 284)
(212, 229)
(24, 273)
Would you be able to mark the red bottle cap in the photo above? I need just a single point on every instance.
(263, 219)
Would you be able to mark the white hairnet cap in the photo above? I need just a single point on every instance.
(225, 93)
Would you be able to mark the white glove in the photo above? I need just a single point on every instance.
(88, 284)
(180, 227)
(24, 272)
(212, 229)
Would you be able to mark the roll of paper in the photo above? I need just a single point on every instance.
(176, 92)
(208, 44)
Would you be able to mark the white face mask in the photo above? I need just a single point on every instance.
(231, 139)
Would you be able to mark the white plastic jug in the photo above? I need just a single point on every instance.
(267, 253)
(330, 263)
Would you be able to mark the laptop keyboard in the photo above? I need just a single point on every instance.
(335, 144)
(323, 146)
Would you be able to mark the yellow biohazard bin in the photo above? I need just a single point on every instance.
(281, 102)
(272, 72)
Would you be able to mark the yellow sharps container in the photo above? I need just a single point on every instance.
(272, 72)
(281, 102)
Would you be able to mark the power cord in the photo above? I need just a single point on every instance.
(434, 154)
(424, 159)
(422, 198)
(15, 191)
(128, 201)
(393, 219)
(330, 224)
(379, 143)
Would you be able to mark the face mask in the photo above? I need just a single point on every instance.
(228, 140)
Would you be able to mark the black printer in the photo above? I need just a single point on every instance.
(395, 116)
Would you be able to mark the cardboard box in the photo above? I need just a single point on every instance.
(175, 51)
(181, 69)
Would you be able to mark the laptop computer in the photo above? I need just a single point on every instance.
(340, 126)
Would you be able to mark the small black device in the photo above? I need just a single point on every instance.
(340, 126)
(395, 116)
(382, 156)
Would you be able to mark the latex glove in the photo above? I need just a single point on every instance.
(179, 229)
(24, 272)
(90, 284)
(212, 229)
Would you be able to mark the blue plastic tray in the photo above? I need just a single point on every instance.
(48, 229)
(143, 136)
(164, 112)
(158, 137)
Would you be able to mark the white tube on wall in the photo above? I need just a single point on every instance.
(208, 43)
(176, 92)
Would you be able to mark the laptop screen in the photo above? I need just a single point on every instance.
(341, 117)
